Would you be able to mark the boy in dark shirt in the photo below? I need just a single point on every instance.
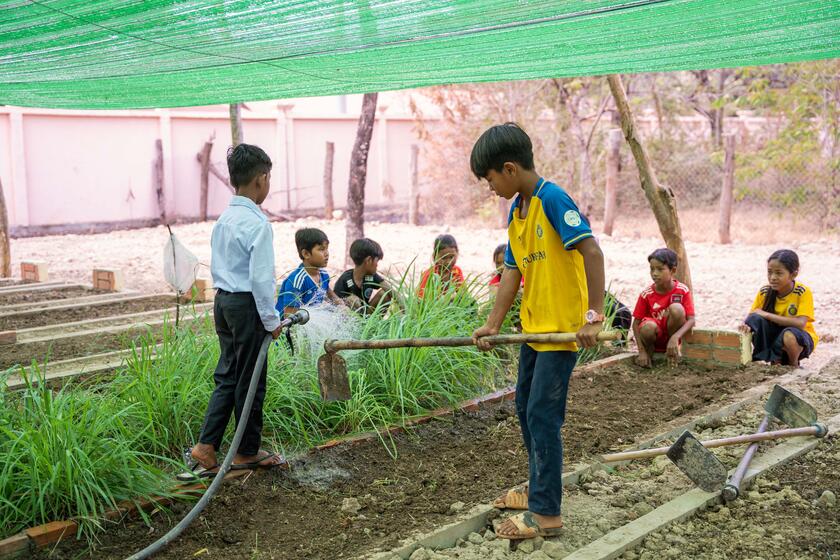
(361, 287)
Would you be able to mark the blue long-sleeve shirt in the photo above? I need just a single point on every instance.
(243, 256)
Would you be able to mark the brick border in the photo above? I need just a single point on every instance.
(724, 348)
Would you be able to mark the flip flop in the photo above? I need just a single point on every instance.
(253, 465)
(527, 528)
(515, 498)
(197, 472)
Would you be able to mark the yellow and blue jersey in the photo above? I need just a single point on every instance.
(541, 245)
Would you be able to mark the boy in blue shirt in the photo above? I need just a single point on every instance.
(308, 284)
(242, 266)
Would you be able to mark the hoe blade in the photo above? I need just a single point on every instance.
(789, 408)
(697, 463)
(332, 378)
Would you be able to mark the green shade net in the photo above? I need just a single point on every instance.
(155, 53)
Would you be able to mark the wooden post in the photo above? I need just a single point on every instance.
(355, 224)
(414, 187)
(329, 158)
(204, 158)
(236, 124)
(727, 188)
(157, 176)
(611, 185)
(661, 199)
(5, 251)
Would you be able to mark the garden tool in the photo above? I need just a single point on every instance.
(788, 408)
(332, 369)
(706, 470)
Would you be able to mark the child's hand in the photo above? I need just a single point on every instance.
(744, 328)
(484, 331)
(643, 360)
(761, 313)
(587, 336)
(672, 352)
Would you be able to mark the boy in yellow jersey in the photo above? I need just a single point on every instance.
(551, 245)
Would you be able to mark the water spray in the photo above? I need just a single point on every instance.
(301, 317)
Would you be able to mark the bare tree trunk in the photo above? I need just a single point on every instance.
(414, 188)
(329, 158)
(236, 124)
(204, 158)
(661, 199)
(726, 189)
(611, 185)
(584, 162)
(355, 223)
(5, 249)
(157, 177)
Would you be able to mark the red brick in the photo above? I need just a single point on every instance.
(52, 532)
(728, 339)
(700, 336)
(105, 279)
(729, 356)
(693, 352)
(8, 337)
(16, 545)
(201, 291)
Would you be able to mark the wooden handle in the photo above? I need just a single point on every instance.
(336, 345)
(818, 430)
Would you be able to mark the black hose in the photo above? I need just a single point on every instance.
(176, 531)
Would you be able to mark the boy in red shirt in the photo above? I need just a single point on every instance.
(664, 312)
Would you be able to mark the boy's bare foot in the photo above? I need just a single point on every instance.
(643, 360)
(204, 454)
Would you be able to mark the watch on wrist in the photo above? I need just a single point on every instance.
(593, 316)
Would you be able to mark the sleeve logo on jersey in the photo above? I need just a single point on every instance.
(539, 231)
(792, 310)
(572, 218)
(676, 298)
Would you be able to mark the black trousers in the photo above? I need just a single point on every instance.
(241, 333)
(768, 340)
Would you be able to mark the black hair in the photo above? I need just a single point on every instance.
(364, 248)
(307, 238)
(444, 241)
(246, 161)
(499, 144)
(665, 256)
(499, 250)
(789, 260)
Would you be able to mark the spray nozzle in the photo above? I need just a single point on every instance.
(300, 317)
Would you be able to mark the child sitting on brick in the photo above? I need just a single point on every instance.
(308, 284)
(361, 287)
(664, 312)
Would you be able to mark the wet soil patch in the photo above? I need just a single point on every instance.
(468, 458)
(48, 295)
(89, 311)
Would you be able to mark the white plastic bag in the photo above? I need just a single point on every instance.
(179, 265)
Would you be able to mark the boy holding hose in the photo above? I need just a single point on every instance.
(551, 245)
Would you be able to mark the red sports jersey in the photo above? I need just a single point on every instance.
(655, 305)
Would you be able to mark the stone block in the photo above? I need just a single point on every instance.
(31, 271)
(107, 279)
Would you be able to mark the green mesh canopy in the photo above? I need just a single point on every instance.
(156, 53)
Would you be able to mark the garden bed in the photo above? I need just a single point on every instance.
(468, 459)
(40, 318)
(71, 291)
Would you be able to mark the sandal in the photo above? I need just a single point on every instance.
(197, 472)
(527, 528)
(258, 464)
(515, 498)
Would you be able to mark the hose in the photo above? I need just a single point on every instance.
(176, 531)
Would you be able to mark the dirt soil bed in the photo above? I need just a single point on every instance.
(63, 349)
(47, 295)
(91, 311)
(469, 459)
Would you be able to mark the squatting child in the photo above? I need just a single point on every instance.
(551, 245)
(444, 270)
(308, 284)
(782, 315)
(361, 287)
(664, 312)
